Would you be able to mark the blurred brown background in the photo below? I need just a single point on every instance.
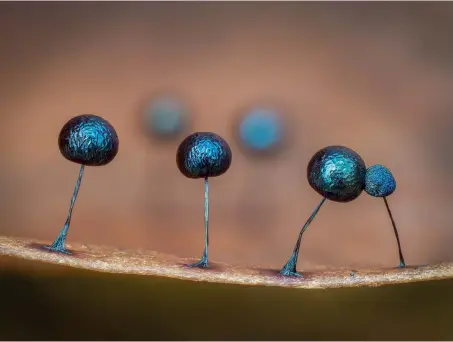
(376, 77)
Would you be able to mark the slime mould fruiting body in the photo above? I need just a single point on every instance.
(203, 155)
(379, 182)
(337, 173)
(86, 140)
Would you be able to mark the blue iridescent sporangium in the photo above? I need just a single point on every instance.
(260, 129)
(89, 140)
(202, 155)
(337, 173)
(379, 181)
(165, 117)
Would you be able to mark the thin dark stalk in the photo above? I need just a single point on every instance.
(290, 267)
(203, 263)
(59, 244)
(402, 263)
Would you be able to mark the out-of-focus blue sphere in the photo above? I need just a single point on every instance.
(379, 181)
(165, 117)
(261, 130)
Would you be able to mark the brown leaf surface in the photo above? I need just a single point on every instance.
(107, 259)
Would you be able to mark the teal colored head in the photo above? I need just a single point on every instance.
(88, 139)
(202, 155)
(337, 173)
(379, 181)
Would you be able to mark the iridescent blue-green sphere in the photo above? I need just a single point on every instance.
(261, 130)
(165, 117)
(337, 173)
(89, 140)
(202, 155)
(379, 181)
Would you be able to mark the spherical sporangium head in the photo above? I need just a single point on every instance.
(337, 173)
(379, 181)
(89, 140)
(203, 154)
